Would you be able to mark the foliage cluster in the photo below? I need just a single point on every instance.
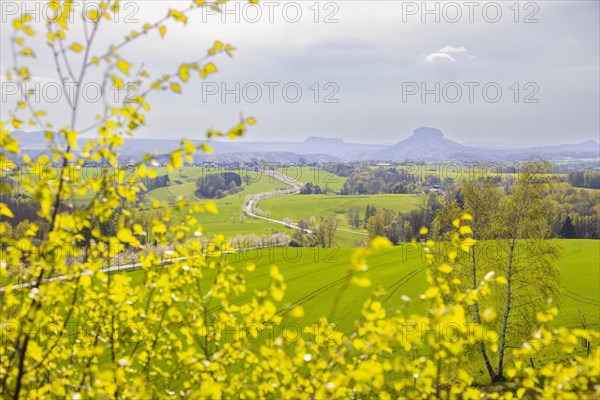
(96, 334)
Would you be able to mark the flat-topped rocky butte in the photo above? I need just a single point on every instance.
(428, 133)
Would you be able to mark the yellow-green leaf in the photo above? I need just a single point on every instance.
(123, 66)
(125, 236)
(4, 210)
(211, 207)
(206, 148)
(445, 268)
(465, 230)
(184, 74)
(71, 137)
(360, 281)
(76, 47)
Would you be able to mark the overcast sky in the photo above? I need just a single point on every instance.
(492, 72)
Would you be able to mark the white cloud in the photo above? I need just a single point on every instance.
(450, 49)
(435, 57)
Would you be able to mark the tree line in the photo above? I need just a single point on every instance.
(589, 179)
(216, 186)
(577, 211)
(368, 180)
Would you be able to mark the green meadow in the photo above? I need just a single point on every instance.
(318, 279)
(229, 221)
(317, 175)
(183, 184)
(304, 206)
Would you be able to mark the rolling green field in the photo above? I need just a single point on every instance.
(316, 277)
(317, 280)
(229, 220)
(318, 175)
(304, 206)
(183, 183)
(580, 275)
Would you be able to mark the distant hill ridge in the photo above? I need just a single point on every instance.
(425, 144)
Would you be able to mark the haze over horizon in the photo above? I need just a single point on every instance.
(374, 82)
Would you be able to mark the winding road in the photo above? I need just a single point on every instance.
(250, 204)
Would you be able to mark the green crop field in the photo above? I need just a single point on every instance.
(304, 206)
(400, 271)
(318, 175)
(317, 278)
(580, 274)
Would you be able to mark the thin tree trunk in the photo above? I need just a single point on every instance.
(482, 347)
(499, 376)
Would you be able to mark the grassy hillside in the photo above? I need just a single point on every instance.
(304, 206)
(318, 175)
(183, 183)
(317, 278)
(229, 220)
(580, 274)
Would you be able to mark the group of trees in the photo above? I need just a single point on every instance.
(254, 240)
(369, 212)
(589, 179)
(23, 206)
(309, 188)
(579, 208)
(325, 232)
(155, 183)
(303, 239)
(313, 233)
(215, 186)
(353, 217)
(398, 226)
(374, 180)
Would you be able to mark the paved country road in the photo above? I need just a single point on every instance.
(250, 205)
(119, 268)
